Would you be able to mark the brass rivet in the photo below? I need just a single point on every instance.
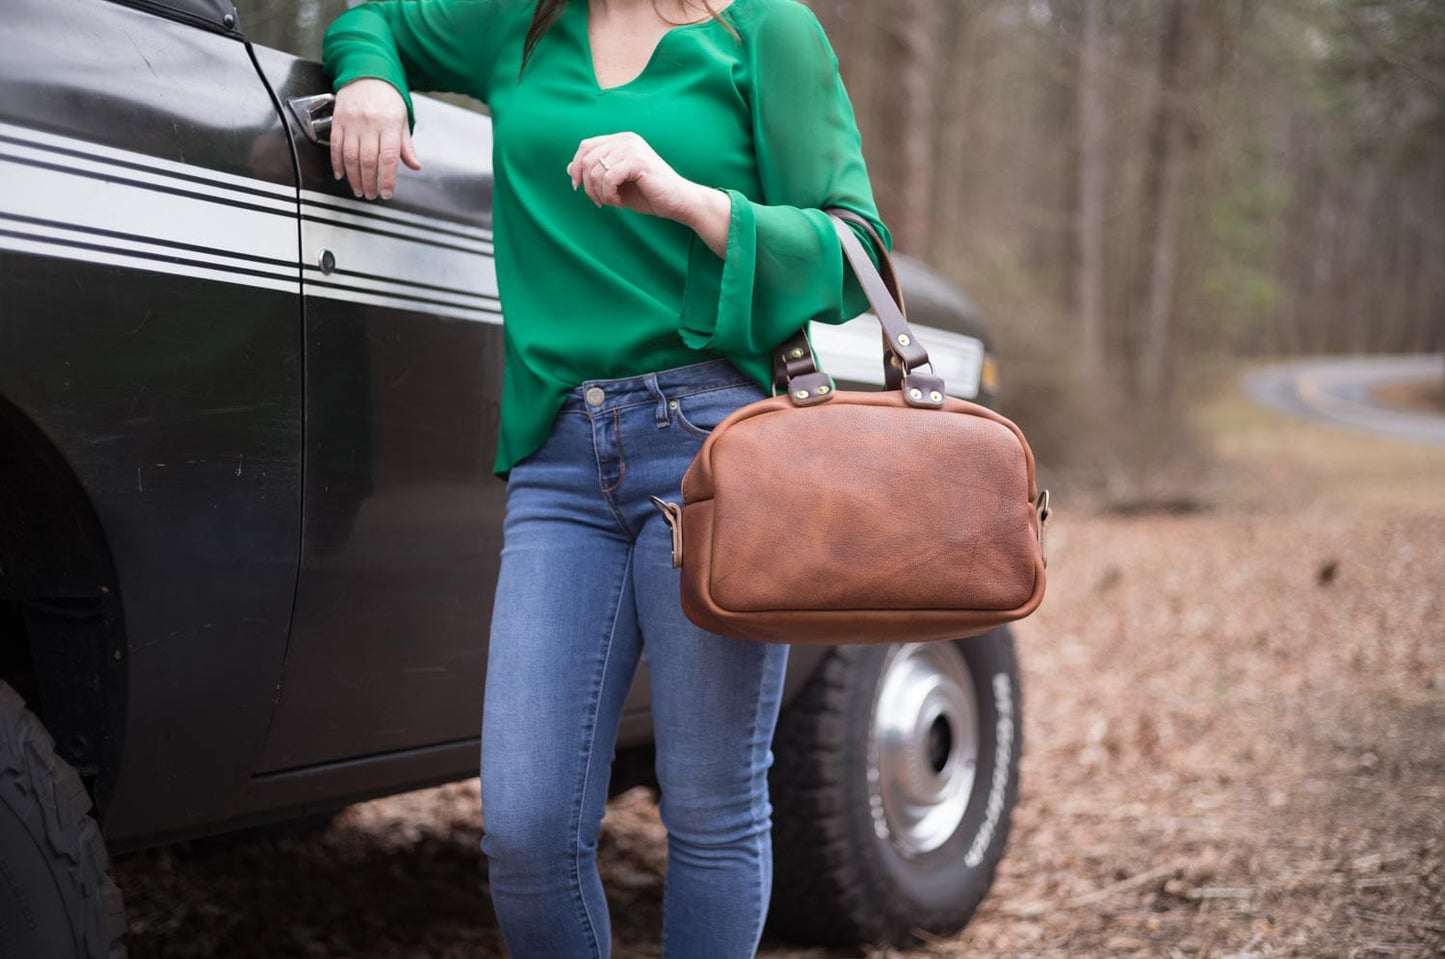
(801, 394)
(797, 352)
(936, 396)
(903, 339)
(822, 389)
(892, 360)
(916, 393)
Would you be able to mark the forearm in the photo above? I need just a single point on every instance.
(709, 213)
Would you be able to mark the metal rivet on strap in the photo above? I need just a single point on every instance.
(797, 352)
(822, 389)
(917, 394)
(595, 396)
(892, 360)
(801, 394)
(903, 339)
(936, 396)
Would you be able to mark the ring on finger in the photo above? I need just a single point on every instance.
(605, 164)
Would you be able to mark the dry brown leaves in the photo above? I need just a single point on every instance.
(1233, 748)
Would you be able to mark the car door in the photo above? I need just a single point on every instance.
(150, 332)
(401, 515)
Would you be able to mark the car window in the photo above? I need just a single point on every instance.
(218, 16)
(295, 26)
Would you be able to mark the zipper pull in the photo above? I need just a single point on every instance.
(672, 513)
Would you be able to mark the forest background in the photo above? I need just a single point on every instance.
(1140, 193)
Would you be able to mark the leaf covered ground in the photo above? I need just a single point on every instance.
(1234, 735)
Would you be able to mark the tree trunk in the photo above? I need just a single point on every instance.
(1164, 176)
(918, 72)
(1089, 285)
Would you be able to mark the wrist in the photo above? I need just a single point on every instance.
(704, 204)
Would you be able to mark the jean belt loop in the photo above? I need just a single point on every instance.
(656, 390)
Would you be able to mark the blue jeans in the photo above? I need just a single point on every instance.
(586, 583)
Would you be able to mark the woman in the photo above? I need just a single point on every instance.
(643, 295)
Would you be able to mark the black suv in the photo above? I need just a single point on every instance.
(248, 526)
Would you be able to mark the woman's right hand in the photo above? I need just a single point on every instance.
(368, 134)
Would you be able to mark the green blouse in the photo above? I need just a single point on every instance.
(596, 293)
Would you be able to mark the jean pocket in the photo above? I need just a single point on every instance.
(700, 413)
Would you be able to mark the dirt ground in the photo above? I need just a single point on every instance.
(1234, 746)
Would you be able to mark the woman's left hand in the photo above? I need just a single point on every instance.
(635, 177)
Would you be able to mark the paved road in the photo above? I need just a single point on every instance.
(1337, 390)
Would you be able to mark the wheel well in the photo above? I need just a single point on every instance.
(61, 635)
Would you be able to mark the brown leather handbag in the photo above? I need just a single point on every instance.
(839, 516)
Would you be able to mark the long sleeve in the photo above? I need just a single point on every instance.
(446, 46)
(783, 264)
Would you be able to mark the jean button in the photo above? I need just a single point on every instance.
(595, 396)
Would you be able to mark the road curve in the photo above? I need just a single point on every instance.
(1338, 390)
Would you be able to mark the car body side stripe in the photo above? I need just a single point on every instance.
(68, 198)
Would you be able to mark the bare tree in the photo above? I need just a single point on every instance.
(1161, 202)
(1089, 275)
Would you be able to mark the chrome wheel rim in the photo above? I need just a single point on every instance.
(923, 746)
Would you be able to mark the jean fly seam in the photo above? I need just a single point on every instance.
(621, 472)
(621, 454)
(594, 706)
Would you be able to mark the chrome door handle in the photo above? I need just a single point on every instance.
(314, 115)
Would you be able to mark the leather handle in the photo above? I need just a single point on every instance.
(795, 367)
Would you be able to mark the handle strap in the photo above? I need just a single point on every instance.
(795, 367)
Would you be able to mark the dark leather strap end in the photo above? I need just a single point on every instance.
(811, 388)
(923, 390)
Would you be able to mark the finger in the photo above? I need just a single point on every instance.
(351, 159)
(337, 132)
(386, 160)
(408, 150)
(596, 172)
(588, 147)
(593, 176)
(370, 151)
(574, 168)
(585, 145)
(577, 169)
(612, 180)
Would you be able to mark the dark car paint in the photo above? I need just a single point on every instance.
(259, 643)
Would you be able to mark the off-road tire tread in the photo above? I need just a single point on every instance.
(51, 799)
(823, 893)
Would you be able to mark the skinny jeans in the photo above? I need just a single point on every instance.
(586, 589)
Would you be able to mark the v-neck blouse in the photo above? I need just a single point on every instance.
(597, 293)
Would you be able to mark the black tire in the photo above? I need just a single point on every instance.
(850, 868)
(57, 899)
